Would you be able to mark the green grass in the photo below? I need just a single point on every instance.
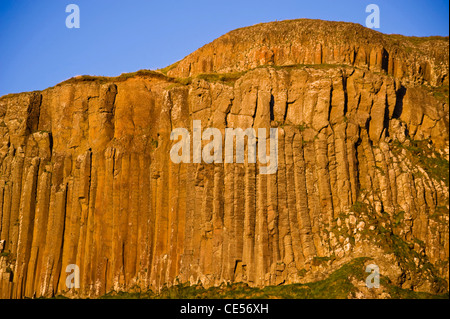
(183, 81)
(415, 40)
(359, 207)
(154, 143)
(168, 68)
(398, 218)
(322, 260)
(441, 93)
(440, 212)
(436, 166)
(120, 78)
(337, 286)
(226, 78)
(411, 44)
(231, 78)
(385, 234)
(399, 293)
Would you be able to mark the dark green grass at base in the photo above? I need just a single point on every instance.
(337, 286)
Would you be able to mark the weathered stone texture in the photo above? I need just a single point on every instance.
(86, 177)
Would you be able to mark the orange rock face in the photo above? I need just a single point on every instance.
(86, 176)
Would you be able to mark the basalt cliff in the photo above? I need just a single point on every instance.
(363, 148)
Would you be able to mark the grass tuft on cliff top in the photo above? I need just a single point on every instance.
(120, 78)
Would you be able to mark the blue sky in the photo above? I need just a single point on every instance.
(38, 51)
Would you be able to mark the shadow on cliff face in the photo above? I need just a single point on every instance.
(399, 102)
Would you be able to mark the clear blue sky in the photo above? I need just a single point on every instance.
(38, 51)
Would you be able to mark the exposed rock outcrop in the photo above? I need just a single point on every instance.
(86, 177)
(304, 41)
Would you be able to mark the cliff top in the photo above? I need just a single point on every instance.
(421, 60)
(307, 41)
(326, 33)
